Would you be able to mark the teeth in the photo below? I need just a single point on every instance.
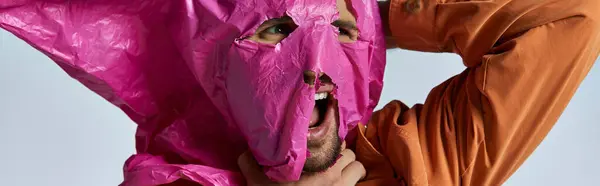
(320, 96)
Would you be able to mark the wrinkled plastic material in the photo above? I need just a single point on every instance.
(200, 93)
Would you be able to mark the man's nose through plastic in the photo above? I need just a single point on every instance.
(310, 78)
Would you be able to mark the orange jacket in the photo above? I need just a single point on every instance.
(524, 59)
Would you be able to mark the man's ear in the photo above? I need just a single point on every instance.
(384, 9)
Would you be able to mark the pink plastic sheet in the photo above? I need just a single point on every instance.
(200, 93)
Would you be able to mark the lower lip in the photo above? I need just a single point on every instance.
(320, 132)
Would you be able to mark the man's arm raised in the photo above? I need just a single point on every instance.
(525, 60)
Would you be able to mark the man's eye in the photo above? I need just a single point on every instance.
(274, 30)
(282, 29)
(346, 36)
(343, 31)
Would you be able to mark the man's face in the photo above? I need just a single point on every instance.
(324, 143)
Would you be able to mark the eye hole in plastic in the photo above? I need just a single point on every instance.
(274, 30)
(347, 30)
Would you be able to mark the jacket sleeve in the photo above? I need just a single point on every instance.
(525, 60)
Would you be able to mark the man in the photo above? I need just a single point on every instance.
(524, 60)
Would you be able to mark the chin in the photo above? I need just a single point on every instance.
(324, 155)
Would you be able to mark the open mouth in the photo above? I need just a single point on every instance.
(323, 119)
(323, 100)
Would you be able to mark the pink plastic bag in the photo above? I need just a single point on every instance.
(200, 93)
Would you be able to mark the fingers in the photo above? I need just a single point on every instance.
(347, 158)
(250, 168)
(353, 173)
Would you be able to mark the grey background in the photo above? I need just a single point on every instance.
(54, 131)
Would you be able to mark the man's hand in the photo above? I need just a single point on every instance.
(346, 171)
